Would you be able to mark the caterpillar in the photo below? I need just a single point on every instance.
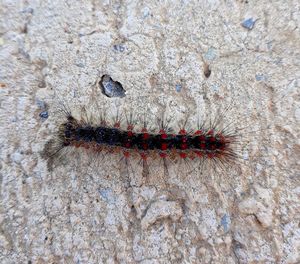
(213, 143)
(208, 143)
(131, 141)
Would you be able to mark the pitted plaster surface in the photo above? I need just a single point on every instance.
(159, 52)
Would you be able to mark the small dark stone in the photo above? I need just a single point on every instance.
(44, 114)
(80, 65)
(119, 47)
(178, 87)
(28, 10)
(248, 23)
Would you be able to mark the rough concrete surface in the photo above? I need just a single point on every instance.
(183, 56)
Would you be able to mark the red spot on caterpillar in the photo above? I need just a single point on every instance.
(212, 139)
(198, 132)
(164, 146)
(126, 154)
(145, 146)
(210, 155)
(201, 138)
(130, 127)
(143, 156)
(117, 125)
(184, 146)
(164, 136)
(182, 132)
(183, 155)
(163, 155)
(210, 132)
(146, 136)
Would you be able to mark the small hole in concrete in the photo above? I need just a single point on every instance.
(111, 88)
(207, 70)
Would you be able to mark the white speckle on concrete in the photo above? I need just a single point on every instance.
(17, 157)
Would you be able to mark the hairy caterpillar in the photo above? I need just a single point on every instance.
(213, 143)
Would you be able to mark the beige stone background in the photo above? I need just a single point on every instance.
(159, 51)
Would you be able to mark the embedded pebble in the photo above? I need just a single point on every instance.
(119, 47)
(225, 222)
(44, 114)
(260, 77)
(178, 87)
(249, 23)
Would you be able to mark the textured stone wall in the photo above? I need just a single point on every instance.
(187, 57)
